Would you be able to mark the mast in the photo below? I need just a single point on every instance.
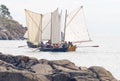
(60, 16)
(27, 32)
(65, 23)
(41, 29)
(51, 29)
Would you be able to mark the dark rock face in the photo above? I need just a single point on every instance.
(62, 76)
(16, 76)
(8, 72)
(22, 68)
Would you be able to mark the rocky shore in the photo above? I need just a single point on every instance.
(23, 68)
(11, 30)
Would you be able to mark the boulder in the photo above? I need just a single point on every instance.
(61, 77)
(17, 76)
(21, 62)
(81, 78)
(63, 65)
(43, 69)
(43, 61)
(9, 72)
(102, 73)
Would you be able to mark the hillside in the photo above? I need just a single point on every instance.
(11, 29)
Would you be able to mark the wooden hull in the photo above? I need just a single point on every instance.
(31, 45)
(71, 48)
(68, 49)
(53, 49)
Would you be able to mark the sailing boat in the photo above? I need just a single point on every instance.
(48, 27)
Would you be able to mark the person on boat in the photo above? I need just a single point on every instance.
(70, 44)
(49, 41)
(42, 45)
(64, 45)
(53, 46)
(57, 45)
(48, 44)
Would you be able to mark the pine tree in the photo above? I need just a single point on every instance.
(4, 12)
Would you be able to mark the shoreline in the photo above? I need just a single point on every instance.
(65, 69)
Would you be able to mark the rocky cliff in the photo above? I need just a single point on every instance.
(11, 29)
(23, 68)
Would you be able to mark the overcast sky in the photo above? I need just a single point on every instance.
(102, 16)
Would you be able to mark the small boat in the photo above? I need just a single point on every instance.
(71, 48)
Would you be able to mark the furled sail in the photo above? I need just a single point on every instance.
(33, 21)
(75, 30)
(55, 27)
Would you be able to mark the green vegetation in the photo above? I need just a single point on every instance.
(4, 12)
(5, 17)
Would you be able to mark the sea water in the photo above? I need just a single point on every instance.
(106, 55)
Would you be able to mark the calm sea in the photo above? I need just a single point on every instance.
(106, 55)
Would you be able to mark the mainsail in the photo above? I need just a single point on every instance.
(33, 21)
(75, 30)
(46, 26)
(55, 27)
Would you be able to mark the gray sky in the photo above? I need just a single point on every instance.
(102, 16)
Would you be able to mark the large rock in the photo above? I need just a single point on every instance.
(102, 74)
(21, 62)
(17, 76)
(61, 77)
(64, 65)
(23, 68)
(11, 30)
(9, 72)
(79, 78)
(43, 69)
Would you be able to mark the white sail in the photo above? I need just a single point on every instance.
(75, 30)
(55, 27)
(33, 21)
(46, 26)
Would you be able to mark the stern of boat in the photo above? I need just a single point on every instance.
(72, 48)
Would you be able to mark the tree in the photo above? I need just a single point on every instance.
(4, 11)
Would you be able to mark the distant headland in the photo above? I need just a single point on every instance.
(9, 28)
